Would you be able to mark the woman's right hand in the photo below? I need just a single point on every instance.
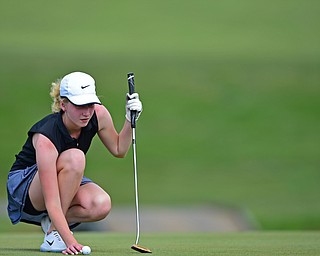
(73, 249)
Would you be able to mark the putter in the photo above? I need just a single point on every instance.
(135, 246)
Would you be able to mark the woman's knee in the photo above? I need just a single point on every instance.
(101, 205)
(72, 160)
(94, 201)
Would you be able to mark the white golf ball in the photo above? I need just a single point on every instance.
(86, 249)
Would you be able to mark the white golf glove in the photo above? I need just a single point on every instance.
(133, 104)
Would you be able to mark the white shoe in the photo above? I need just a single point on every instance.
(53, 243)
(45, 224)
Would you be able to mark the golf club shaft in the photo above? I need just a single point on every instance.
(136, 184)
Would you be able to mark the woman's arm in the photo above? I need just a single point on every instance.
(117, 143)
(47, 155)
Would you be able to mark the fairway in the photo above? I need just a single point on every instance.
(230, 93)
(247, 243)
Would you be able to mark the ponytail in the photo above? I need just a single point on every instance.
(55, 95)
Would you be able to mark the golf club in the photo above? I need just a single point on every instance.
(135, 246)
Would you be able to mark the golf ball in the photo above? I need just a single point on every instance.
(86, 249)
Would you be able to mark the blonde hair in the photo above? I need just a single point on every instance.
(55, 95)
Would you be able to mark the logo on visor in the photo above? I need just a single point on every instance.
(84, 86)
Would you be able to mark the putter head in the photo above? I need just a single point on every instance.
(140, 248)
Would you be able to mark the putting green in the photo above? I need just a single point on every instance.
(245, 243)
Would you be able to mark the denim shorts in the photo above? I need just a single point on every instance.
(17, 189)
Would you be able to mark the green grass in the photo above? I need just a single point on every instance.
(251, 243)
(230, 92)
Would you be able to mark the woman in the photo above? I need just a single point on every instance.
(46, 184)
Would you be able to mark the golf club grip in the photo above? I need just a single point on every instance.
(131, 91)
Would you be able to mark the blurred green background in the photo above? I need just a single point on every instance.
(230, 92)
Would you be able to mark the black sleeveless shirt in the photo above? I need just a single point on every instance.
(54, 129)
